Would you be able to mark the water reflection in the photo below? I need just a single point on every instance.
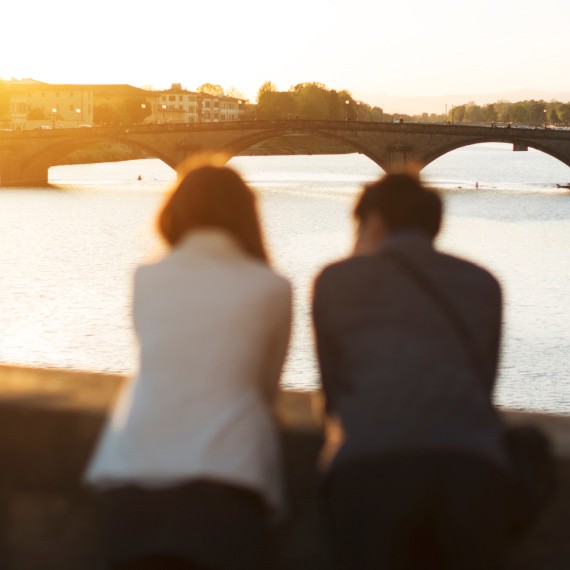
(68, 255)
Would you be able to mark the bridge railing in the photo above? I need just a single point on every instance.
(501, 130)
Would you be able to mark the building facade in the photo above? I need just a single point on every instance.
(178, 105)
(174, 105)
(33, 104)
(37, 105)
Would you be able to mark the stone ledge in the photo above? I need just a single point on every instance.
(50, 420)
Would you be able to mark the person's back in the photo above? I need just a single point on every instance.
(203, 386)
(404, 379)
(189, 462)
(419, 476)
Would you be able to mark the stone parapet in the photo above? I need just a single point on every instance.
(49, 423)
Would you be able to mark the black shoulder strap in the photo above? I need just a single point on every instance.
(447, 309)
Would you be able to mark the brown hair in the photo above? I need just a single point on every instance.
(207, 195)
(403, 202)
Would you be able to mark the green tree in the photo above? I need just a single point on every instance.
(564, 112)
(132, 111)
(519, 112)
(349, 110)
(552, 115)
(473, 113)
(234, 92)
(313, 100)
(267, 87)
(376, 114)
(489, 112)
(211, 89)
(458, 113)
(276, 105)
(335, 104)
(535, 110)
(503, 111)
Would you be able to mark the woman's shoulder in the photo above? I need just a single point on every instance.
(270, 279)
(246, 269)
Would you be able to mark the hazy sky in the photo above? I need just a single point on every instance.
(372, 48)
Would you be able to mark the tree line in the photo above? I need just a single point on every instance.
(531, 112)
(312, 101)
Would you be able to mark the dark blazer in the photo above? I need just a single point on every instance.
(392, 366)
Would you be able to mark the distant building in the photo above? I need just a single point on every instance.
(34, 104)
(178, 105)
(216, 109)
(175, 105)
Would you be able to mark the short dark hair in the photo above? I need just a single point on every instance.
(212, 196)
(403, 202)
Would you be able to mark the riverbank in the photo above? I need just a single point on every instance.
(50, 421)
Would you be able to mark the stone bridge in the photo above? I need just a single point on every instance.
(26, 157)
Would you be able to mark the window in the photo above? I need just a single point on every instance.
(172, 97)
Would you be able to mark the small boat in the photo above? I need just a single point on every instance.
(567, 186)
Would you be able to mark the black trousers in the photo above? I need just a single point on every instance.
(195, 526)
(417, 511)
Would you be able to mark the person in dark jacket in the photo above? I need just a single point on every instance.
(408, 343)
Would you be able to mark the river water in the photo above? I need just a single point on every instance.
(68, 255)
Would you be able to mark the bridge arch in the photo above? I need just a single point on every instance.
(53, 154)
(29, 156)
(457, 144)
(239, 145)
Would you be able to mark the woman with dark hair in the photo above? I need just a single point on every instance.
(189, 460)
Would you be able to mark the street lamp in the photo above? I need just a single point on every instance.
(78, 111)
(357, 109)
(163, 107)
(53, 113)
(545, 118)
(347, 103)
